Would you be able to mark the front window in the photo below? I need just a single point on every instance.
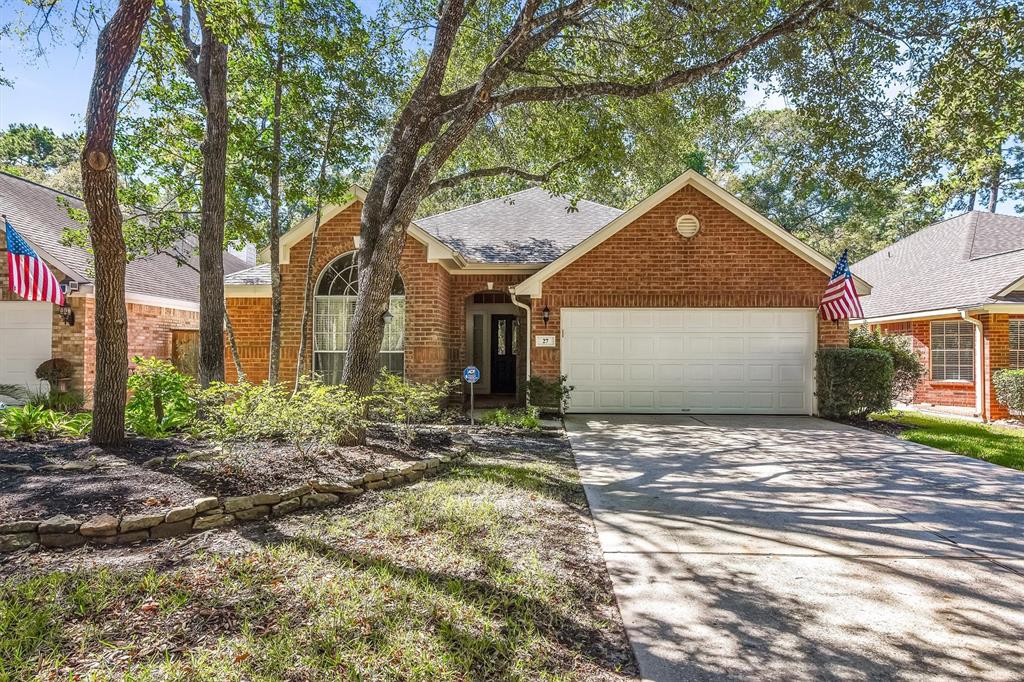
(1016, 344)
(333, 307)
(952, 351)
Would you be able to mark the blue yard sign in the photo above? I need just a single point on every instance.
(472, 375)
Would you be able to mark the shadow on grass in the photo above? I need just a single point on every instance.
(493, 652)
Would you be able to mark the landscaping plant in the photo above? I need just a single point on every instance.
(853, 382)
(1009, 385)
(549, 394)
(242, 412)
(907, 367)
(161, 400)
(399, 401)
(519, 418)
(319, 416)
(32, 422)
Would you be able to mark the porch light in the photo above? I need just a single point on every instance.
(546, 314)
(67, 285)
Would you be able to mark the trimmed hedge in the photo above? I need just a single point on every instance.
(1009, 384)
(906, 365)
(854, 381)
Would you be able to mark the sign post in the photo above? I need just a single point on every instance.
(471, 375)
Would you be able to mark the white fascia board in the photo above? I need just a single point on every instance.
(903, 317)
(247, 291)
(161, 302)
(534, 285)
(1015, 285)
(1011, 308)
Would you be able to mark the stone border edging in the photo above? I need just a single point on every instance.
(208, 512)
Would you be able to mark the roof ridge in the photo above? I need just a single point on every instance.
(41, 185)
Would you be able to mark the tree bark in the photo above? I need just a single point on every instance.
(307, 293)
(213, 74)
(115, 51)
(995, 180)
(233, 345)
(275, 219)
(972, 198)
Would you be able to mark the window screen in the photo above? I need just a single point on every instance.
(1016, 344)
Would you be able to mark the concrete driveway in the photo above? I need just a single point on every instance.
(796, 548)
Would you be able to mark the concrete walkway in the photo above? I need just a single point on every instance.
(796, 548)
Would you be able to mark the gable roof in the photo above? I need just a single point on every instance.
(966, 261)
(531, 226)
(533, 285)
(34, 211)
(436, 250)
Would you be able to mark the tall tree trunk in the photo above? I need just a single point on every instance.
(275, 218)
(995, 179)
(214, 87)
(972, 199)
(307, 293)
(115, 51)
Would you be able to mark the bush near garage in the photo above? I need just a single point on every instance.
(1009, 385)
(853, 382)
(907, 366)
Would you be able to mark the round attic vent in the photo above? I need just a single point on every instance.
(687, 225)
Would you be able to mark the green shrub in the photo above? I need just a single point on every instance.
(398, 401)
(524, 418)
(32, 422)
(854, 381)
(242, 412)
(907, 366)
(319, 416)
(62, 401)
(161, 400)
(315, 417)
(1009, 385)
(549, 394)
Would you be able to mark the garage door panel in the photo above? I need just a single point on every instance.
(690, 360)
(25, 338)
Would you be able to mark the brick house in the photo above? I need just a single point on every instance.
(955, 292)
(162, 295)
(690, 301)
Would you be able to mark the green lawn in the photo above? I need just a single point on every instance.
(490, 572)
(996, 444)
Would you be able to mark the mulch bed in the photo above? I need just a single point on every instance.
(121, 484)
(883, 427)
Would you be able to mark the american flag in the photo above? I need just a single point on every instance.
(840, 302)
(27, 274)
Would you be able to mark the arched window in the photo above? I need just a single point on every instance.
(333, 307)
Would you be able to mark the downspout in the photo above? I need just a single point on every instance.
(979, 364)
(527, 337)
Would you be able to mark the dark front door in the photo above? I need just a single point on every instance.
(504, 339)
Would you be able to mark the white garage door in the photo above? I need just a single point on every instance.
(690, 360)
(25, 329)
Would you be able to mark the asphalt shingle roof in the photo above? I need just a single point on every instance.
(35, 213)
(531, 226)
(960, 262)
(259, 274)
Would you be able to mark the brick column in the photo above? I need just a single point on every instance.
(995, 356)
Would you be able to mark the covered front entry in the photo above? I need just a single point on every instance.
(493, 339)
(690, 360)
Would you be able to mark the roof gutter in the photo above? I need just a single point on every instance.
(528, 336)
(979, 363)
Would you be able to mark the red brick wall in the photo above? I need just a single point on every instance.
(427, 307)
(948, 393)
(728, 263)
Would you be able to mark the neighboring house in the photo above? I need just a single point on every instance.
(690, 301)
(162, 295)
(955, 291)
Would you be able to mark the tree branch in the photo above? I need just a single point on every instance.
(511, 171)
(797, 19)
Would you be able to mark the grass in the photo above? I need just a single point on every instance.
(998, 445)
(479, 575)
